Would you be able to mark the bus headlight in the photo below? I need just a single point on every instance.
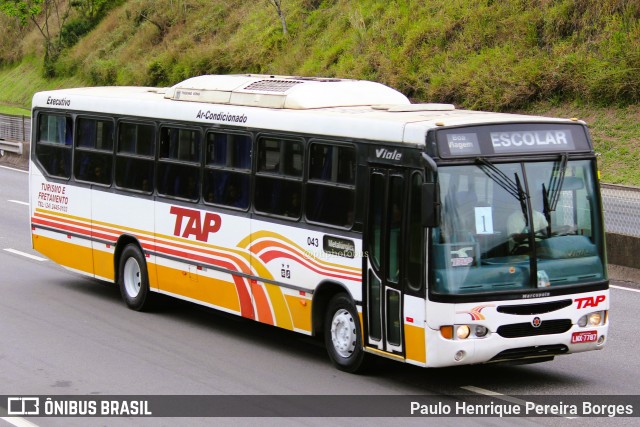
(597, 318)
(480, 331)
(463, 332)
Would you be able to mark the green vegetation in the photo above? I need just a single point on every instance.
(616, 135)
(569, 58)
(14, 111)
(19, 82)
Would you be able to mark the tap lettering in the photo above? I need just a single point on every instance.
(195, 225)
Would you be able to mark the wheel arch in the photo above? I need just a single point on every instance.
(321, 297)
(123, 241)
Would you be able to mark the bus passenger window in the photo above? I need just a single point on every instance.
(227, 170)
(135, 163)
(181, 181)
(93, 160)
(53, 146)
(180, 144)
(279, 178)
(332, 170)
(179, 165)
(226, 188)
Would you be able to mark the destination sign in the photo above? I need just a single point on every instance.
(463, 144)
(506, 142)
(509, 138)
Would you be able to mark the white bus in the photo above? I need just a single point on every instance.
(335, 208)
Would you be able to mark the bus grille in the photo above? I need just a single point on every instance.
(548, 327)
(525, 309)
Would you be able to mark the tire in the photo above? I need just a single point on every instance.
(133, 279)
(343, 335)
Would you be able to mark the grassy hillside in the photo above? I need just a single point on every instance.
(575, 58)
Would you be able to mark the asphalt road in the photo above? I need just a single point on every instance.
(63, 334)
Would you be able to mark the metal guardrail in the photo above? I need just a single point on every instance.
(15, 128)
(621, 206)
(14, 132)
(12, 147)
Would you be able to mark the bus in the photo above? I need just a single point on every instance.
(335, 208)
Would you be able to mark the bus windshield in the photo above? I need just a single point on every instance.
(517, 226)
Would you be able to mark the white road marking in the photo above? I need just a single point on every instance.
(16, 252)
(486, 392)
(18, 422)
(19, 202)
(500, 396)
(13, 169)
(624, 289)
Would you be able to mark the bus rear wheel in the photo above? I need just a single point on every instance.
(133, 279)
(343, 335)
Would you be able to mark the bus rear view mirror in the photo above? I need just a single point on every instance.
(430, 205)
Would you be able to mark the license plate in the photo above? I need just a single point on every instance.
(582, 337)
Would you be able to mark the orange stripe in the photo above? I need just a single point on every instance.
(415, 343)
(304, 258)
(268, 300)
(262, 303)
(264, 234)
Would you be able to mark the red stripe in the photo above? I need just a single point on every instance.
(62, 227)
(271, 255)
(246, 307)
(272, 245)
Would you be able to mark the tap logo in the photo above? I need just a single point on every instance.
(461, 257)
(195, 224)
(23, 406)
(590, 301)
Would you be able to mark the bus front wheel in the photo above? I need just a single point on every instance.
(133, 279)
(343, 335)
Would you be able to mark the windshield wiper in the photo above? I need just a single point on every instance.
(514, 188)
(509, 185)
(555, 183)
(522, 196)
(545, 205)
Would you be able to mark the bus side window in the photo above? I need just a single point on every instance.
(279, 177)
(332, 172)
(53, 145)
(135, 152)
(93, 161)
(179, 164)
(227, 174)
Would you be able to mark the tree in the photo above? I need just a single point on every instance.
(90, 9)
(55, 14)
(278, 5)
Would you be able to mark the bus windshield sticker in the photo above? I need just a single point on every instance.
(484, 220)
(462, 144)
(462, 255)
(338, 246)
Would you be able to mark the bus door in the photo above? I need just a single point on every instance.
(383, 290)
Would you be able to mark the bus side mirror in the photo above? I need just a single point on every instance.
(430, 205)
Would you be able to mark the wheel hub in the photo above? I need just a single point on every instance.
(343, 333)
(132, 277)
